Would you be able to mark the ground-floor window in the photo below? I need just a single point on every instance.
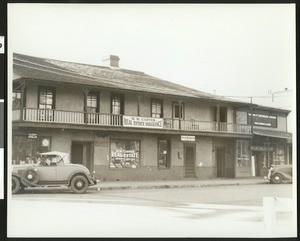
(124, 153)
(278, 154)
(242, 150)
(164, 160)
(24, 149)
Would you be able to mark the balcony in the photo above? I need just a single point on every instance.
(96, 119)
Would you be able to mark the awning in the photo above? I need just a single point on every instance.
(272, 133)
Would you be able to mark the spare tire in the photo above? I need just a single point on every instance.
(31, 176)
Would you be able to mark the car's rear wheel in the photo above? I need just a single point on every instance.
(79, 184)
(15, 185)
(276, 178)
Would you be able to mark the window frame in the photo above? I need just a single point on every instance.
(161, 108)
(180, 110)
(168, 155)
(97, 95)
(47, 88)
(121, 107)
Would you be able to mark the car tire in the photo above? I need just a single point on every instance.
(276, 178)
(31, 176)
(79, 184)
(15, 185)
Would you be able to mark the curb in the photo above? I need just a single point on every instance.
(145, 186)
(167, 186)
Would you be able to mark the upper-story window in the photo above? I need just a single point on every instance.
(46, 98)
(178, 110)
(261, 119)
(156, 108)
(46, 104)
(117, 104)
(220, 114)
(92, 100)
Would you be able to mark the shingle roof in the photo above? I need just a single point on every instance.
(101, 76)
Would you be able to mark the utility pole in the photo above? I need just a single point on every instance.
(278, 92)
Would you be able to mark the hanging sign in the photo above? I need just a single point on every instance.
(188, 138)
(143, 122)
(32, 136)
(261, 148)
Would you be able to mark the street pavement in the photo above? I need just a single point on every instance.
(207, 208)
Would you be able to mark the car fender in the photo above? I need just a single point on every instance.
(73, 174)
(286, 176)
(23, 181)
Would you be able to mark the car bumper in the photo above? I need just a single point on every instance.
(93, 180)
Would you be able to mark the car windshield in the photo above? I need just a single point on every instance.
(48, 160)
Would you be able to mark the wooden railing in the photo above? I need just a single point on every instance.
(72, 117)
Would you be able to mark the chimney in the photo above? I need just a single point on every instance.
(113, 61)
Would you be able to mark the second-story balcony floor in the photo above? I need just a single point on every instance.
(48, 116)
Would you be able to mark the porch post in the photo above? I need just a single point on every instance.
(138, 104)
(22, 104)
(85, 93)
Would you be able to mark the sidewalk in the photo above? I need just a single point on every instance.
(177, 183)
(186, 183)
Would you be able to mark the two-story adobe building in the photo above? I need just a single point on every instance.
(125, 124)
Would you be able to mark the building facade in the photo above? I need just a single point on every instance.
(127, 125)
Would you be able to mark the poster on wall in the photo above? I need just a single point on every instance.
(124, 154)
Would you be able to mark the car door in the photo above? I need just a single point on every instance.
(47, 174)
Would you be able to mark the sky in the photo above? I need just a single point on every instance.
(236, 50)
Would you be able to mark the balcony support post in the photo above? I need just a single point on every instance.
(22, 117)
(138, 97)
(85, 93)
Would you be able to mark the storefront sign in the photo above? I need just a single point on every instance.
(124, 154)
(143, 122)
(262, 120)
(32, 136)
(188, 138)
(261, 148)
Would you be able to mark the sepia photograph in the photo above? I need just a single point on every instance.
(151, 120)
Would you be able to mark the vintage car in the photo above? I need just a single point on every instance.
(52, 169)
(280, 173)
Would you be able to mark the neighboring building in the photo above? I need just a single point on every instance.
(127, 125)
(271, 143)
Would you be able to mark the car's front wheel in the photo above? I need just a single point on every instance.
(276, 178)
(79, 184)
(15, 185)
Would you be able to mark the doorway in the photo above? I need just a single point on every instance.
(83, 153)
(221, 162)
(189, 160)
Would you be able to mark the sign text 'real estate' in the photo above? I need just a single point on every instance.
(143, 122)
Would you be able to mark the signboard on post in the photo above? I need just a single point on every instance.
(143, 122)
(31, 135)
(188, 138)
(261, 148)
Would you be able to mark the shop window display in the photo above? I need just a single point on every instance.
(242, 153)
(124, 154)
(25, 150)
(163, 154)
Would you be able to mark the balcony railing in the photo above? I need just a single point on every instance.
(72, 117)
